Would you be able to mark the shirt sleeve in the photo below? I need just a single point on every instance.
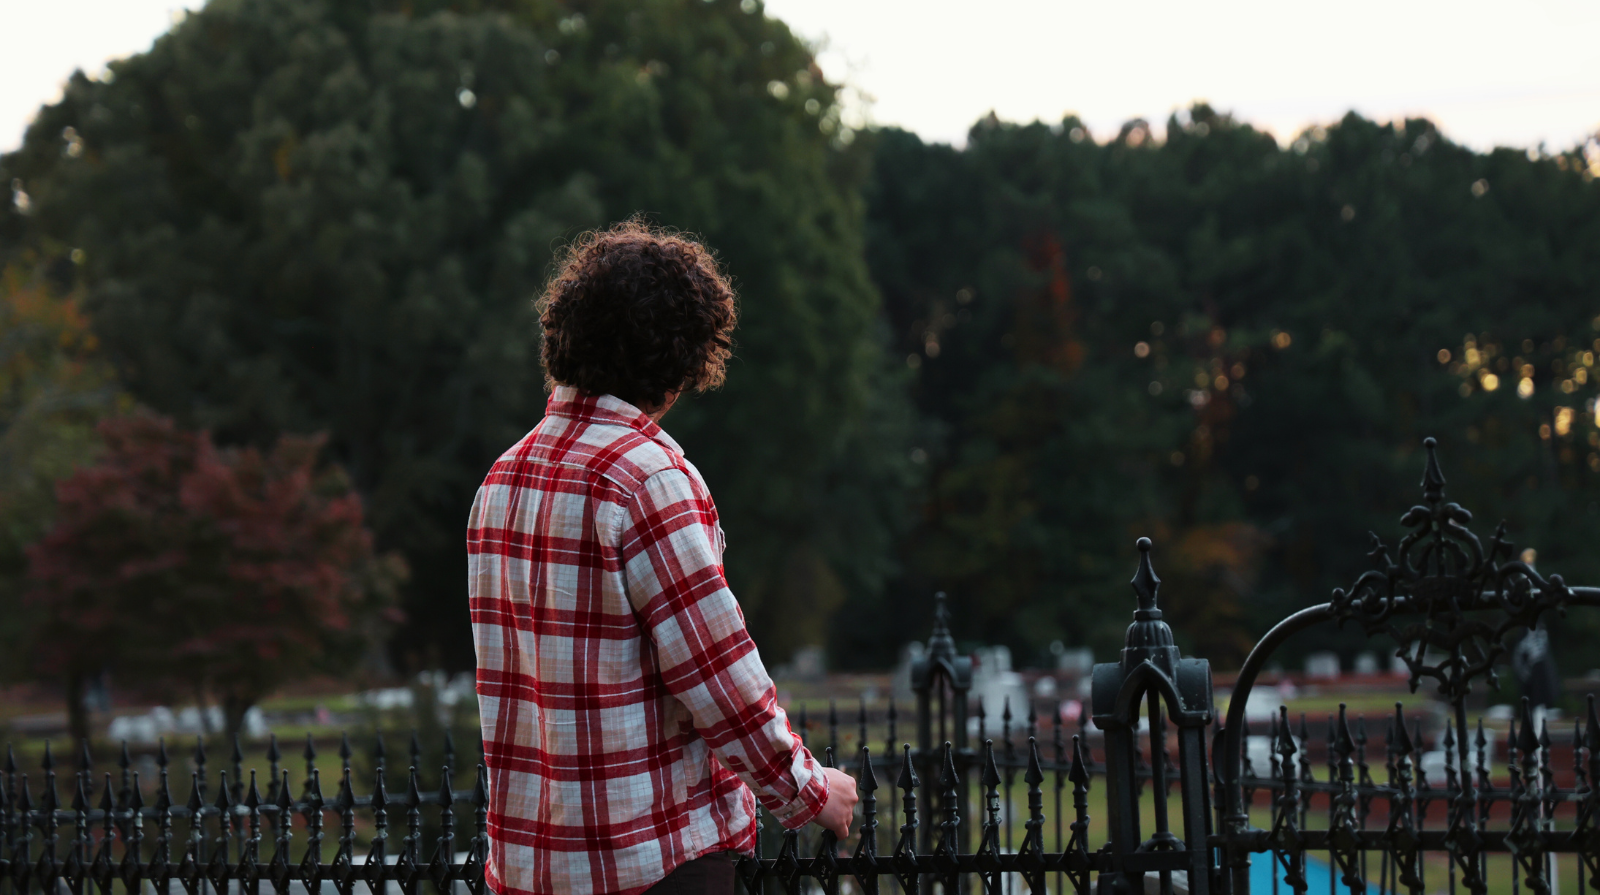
(708, 661)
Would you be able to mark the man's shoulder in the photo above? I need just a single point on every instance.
(620, 454)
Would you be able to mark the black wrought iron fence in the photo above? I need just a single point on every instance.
(1011, 809)
(118, 833)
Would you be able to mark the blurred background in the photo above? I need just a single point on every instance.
(1021, 282)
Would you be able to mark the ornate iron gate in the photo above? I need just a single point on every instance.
(1451, 604)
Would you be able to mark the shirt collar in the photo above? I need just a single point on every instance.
(569, 402)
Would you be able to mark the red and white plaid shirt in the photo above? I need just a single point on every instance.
(625, 710)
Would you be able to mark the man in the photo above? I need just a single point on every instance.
(626, 714)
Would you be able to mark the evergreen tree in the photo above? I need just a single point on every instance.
(1237, 348)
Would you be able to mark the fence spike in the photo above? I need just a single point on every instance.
(990, 775)
(380, 795)
(48, 800)
(196, 803)
(283, 826)
(80, 797)
(85, 757)
(224, 802)
(24, 796)
(950, 831)
(49, 761)
(908, 774)
(867, 786)
(1079, 772)
(252, 798)
(344, 748)
(163, 793)
(480, 788)
(1527, 740)
(989, 827)
(1403, 745)
(272, 748)
(161, 753)
(444, 851)
(11, 760)
(284, 803)
(123, 760)
(447, 796)
(1035, 774)
(200, 753)
(906, 848)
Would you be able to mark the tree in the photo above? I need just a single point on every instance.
(307, 215)
(54, 388)
(226, 571)
(1237, 348)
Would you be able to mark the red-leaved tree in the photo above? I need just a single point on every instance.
(228, 571)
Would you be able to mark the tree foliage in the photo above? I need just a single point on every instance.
(308, 215)
(54, 388)
(1237, 348)
(229, 571)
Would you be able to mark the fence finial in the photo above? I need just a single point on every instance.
(1432, 477)
(1146, 584)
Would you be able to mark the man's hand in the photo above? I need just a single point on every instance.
(836, 815)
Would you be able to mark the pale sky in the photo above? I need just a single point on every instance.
(1490, 73)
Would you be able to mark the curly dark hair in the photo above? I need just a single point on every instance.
(637, 312)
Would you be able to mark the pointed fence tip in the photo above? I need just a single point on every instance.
(1402, 738)
(1342, 742)
(285, 802)
(991, 773)
(866, 779)
(1432, 477)
(1035, 774)
(908, 775)
(1527, 740)
(1146, 584)
(252, 796)
(1079, 773)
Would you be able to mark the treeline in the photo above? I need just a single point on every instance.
(1236, 348)
(983, 370)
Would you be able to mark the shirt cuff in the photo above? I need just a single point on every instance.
(807, 803)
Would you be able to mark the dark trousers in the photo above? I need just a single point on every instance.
(710, 875)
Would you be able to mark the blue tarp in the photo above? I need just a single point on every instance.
(1318, 877)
